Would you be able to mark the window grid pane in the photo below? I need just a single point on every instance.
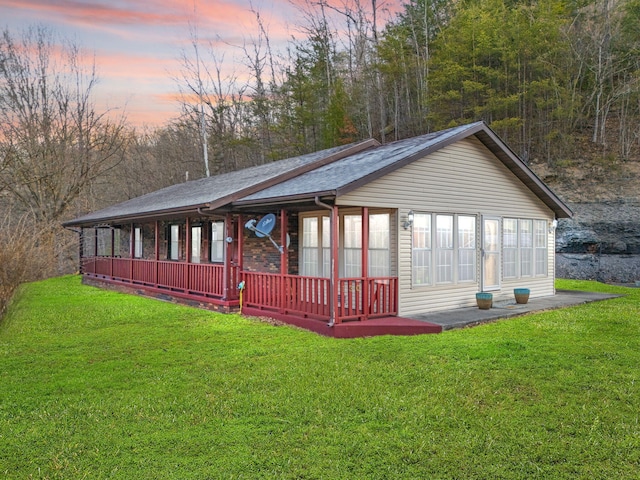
(137, 242)
(526, 247)
(444, 248)
(466, 248)
(196, 244)
(379, 253)
(217, 241)
(421, 257)
(174, 243)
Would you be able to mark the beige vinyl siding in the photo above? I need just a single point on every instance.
(463, 178)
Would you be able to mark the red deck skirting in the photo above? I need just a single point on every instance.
(366, 328)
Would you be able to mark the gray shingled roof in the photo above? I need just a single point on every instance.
(202, 192)
(328, 172)
(337, 175)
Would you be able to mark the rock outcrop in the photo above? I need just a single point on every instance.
(601, 242)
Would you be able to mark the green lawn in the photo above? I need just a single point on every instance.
(96, 384)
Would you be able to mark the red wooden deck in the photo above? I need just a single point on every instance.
(365, 306)
(357, 329)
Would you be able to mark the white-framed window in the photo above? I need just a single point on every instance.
(444, 248)
(310, 244)
(174, 242)
(379, 249)
(510, 247)
(466, 248)
(315, 234)
(524, 247)
(217, 241)
(540, 246)
(326, 247)
(196, 244)
(422, 241)
(137, 242)
(352, 251)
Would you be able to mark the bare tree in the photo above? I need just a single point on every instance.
(53, 142)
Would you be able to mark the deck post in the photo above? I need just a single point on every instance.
(132, 251)
(228, 254)
(113, 251)
(81, 250)
(187, 252)
(335, 270)
(240, 247)
(156, 251)
(284, 264)
(365, 263)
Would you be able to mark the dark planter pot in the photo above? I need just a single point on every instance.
(484, 300)
(521, 294)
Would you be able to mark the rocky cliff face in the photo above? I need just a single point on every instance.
(601, 242)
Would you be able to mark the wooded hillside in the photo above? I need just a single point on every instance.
(557, 79)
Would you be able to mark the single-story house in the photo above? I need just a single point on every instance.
(343, 236)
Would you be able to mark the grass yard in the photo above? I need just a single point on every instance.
(97, 384)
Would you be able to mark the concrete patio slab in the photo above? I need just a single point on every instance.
(470, 316)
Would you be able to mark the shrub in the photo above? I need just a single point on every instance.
(26, 254)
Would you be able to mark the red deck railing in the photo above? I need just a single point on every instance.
(358, 298)
(190, 278)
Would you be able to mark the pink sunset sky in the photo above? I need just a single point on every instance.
(138, 43)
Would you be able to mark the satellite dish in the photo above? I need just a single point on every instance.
(266, 225)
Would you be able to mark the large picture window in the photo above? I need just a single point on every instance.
(444, 254)
(524, 248)
(315, 233)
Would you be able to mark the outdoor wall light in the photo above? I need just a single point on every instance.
(409, 221)
(553, 225)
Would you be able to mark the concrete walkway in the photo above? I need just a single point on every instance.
(470, 316)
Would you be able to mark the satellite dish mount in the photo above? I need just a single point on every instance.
(263, 228)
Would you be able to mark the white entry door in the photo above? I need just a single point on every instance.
(490, 254)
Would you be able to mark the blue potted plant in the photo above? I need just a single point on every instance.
(484, 300)
(521, 294)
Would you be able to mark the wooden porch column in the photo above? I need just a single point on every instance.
(365, 262)
(335, 270)
(113, 251)
(156, 250)
(132, 250)
(240, 252)
(284, 257)
(228, 257)
(284, 265)
(81, 251)
(187, 252)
